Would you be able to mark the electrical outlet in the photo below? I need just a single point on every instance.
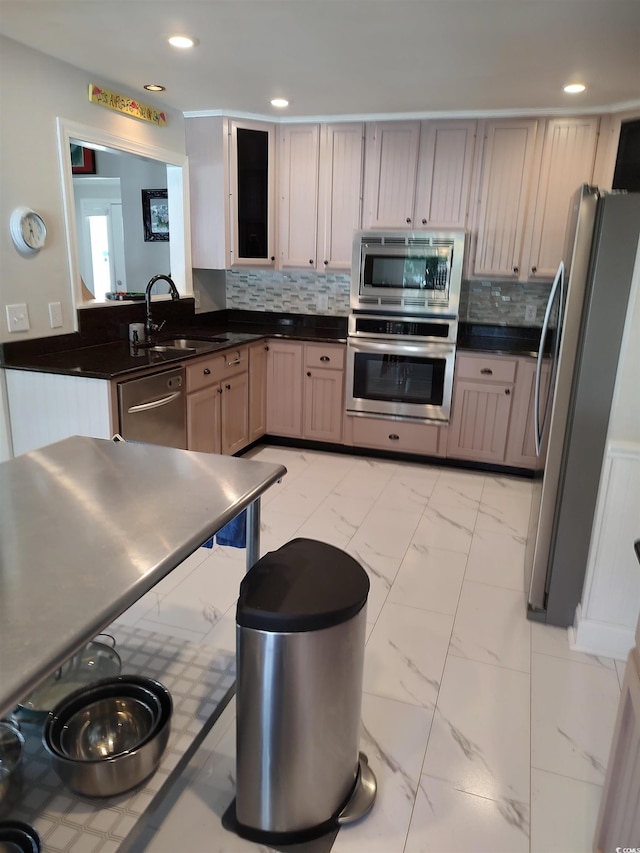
(18, 317)
(322, 302)
(530, 312)
(55, 315)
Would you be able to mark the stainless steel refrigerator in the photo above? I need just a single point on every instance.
(583, 330)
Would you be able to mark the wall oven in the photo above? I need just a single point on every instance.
(400, 366)
(411, 272)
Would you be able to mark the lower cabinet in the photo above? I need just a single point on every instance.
(257, 389)
(305, 390)
(218, 402)
(492, 410)
(396, 436)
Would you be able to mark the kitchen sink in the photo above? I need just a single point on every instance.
(192, 343)
(171, 349)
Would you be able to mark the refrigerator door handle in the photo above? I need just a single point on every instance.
(539, 427)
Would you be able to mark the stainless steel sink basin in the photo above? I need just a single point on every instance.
(171, 349)
(192, 343)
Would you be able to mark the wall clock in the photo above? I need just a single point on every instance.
(28, 230)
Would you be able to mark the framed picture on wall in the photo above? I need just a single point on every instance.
(155, 215)
(83, 160)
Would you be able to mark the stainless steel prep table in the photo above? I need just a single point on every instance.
(87, 526)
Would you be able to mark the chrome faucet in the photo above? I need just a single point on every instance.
(150, 327)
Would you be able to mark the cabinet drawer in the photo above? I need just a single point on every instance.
(398, 436)
(491, 368)
(321, 355)
(204, 371)
(234, 361)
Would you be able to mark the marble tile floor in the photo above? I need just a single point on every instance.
(486, 733)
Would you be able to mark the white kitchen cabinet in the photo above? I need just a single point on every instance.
(257, 389)
(305, 385)
(507, 175)
(391, 163)
(320, 188)
(232, 192)
(521, 447)
(396, 436)
(445, 164)
(530, 170)
(418, 174)
(218, 402)
(568, 158)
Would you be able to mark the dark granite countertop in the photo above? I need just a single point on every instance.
(506, 340)
(112, 359)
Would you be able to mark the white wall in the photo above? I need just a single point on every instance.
(34, 90)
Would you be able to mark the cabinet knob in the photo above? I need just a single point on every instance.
(272, 258)
(219, 390)
(516, 270)
(228, 387)
(325, 358)
(486, 371)
(408, 219)
(206, 371)
(308, 373)
(534, 269)
(424, 221)
(311, 261)
(507, 391)
(394, 437)
(266, 349)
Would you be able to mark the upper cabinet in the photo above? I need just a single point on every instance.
(320, 189)
(530, 170)
(418, 174)
(232, 192)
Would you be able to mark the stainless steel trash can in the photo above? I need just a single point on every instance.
(300, 631)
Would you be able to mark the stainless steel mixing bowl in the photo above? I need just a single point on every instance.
(107, 727)
(113, 774)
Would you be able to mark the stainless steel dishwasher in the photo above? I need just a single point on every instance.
(153, 409)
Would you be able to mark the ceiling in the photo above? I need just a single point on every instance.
(335, 58)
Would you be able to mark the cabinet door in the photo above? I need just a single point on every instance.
(479, 420)
(323, 404)
(203, 420)
(568, 158)
(521, 447)
(234, 413)
(390, 174)
(298, 203)
(444, 173)
(257, 390)
(507, 169)
(340, 193)
(252, 193)
(284, 388)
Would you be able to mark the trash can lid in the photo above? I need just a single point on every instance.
(305, 585)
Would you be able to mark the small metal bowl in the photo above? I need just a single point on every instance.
(107, 727)
(19, 837)
(114, 774)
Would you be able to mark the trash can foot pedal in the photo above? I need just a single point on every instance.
(363, 795)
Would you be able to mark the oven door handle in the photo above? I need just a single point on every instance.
(394, 347)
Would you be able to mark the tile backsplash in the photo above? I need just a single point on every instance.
(507, 302)
(291, 292)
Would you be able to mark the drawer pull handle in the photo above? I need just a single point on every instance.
(325, 358)
(394, 437)
(486, 371)
(232, 363)
(206, 371)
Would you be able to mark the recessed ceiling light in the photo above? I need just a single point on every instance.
(279, 102)
(154, 87)
(181, 41)
(574, 88)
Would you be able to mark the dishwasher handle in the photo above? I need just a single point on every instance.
(154, 404)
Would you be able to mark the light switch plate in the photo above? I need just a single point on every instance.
(18, 317)
(55, 315)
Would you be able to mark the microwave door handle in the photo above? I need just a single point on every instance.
(538, 427)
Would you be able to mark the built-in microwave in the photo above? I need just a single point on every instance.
(415, 272)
